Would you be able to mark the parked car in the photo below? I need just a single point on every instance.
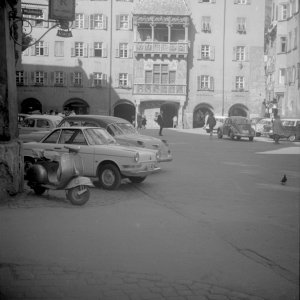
(21, 117)
(254, 122)
(102, 156)
(263, 127)
(39, 123)
(236, 127)
(219, 122)
(123, 131)
(292, 129)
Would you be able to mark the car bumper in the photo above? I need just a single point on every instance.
(140, 170)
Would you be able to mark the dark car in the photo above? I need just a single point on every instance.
(123, 131)
(236, 127)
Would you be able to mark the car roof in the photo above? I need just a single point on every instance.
(102, 120)
(47, 117)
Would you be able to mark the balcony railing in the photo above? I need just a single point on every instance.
(159, 89)
(174, 48)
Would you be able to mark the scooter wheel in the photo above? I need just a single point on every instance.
(39, 190)
(79, 195)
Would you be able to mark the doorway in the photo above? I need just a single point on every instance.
(79, 106)
(125, 110)
(30, 106)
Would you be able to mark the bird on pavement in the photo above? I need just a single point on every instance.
(283, 180)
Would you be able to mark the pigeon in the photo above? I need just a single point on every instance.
(283, 180)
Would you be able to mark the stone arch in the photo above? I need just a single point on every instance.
(78, 105)
(199, 114)
(124, 109)
(238, 109)
(31, 105)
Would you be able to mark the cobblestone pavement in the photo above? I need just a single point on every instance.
(56, 282)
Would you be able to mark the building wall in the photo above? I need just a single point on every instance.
(222, 68)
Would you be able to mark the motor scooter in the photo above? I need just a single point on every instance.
(54, 171)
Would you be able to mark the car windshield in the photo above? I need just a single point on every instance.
(126, 128)
(99, 136)
(241, 121)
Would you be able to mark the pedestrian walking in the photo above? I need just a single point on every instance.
(160, 122)
(278, 129)
(175, 119)
(211, 123)
(139, 121)
(144, 122)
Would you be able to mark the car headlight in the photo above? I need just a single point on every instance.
(158, 154)
(136, 157)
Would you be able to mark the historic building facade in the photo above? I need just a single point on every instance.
(185, 57)
(283, 59)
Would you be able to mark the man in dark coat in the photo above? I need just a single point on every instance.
(211, 123)
(160, 122)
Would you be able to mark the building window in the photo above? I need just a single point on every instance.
(79, 21)
(239, 83)
(20, 77)
(79, 49)
(205, 51)
(40, 49)
(242, 1)
(241, 25)
(97, 79)
(98, 49)
(282, 76)
(98, 21)
(240, 53)
(295, 38)
(59, 48)
(123, 79)
(77, 79)
(283, 44)
(205, 83)
(39, 78)
(206, 24)
(39, 20)
(124, 22)
(58, 78)
(123, 50)
(283, 11)
(160, 75)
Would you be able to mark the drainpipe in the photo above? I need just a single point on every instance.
(223, 70)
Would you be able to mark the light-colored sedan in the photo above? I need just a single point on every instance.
(102, 156)
(123, 131)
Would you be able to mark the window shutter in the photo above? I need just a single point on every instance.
(104, 50)
(211, 83)
(73, 50)
(71, 78)
(130, 22)
(199, 52)
(85, 50)
(212, 52)
(91, 80)
(46, 49)
(52, 78)
(104, 22)
(32, 78)
(91, 21)
(32, 50)
(246, 84)
(86, 22)
(129, 80)
(45, 78)
(65, 78)
(91, 49)
(26, 78)
(234, 53)
(130, 52)
(246, 53)
(104, 81)
(117, 51)
(198, 82)
(117, 22)
(117, 81)
(74, 24)
(233, 83)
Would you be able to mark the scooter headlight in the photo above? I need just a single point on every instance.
(136, 157)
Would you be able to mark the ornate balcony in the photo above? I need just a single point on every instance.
(161, 48)
(159, 89)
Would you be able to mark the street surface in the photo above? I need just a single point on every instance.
(214, 224)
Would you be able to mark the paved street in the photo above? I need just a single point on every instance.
(214, 224)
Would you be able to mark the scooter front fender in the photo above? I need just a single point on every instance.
(80, 180)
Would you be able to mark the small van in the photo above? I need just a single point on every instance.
(292, 126)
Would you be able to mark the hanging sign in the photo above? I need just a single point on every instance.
(32, 12)
(64, 33)
(62, 10)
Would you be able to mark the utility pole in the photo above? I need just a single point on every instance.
(223, 68)
(110, 59)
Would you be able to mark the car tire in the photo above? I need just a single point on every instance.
(220, 135)
(251, 138)
(109, 177)
(231, 134)
(292, 138)
(137, 179)
(39, 190)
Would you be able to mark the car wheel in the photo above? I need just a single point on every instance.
(251, 138)
(231, 134)
(109, 177)
(220, 135)
(137, 179)
(238, 138)
(292, 138)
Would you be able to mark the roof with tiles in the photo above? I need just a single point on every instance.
(162, 7)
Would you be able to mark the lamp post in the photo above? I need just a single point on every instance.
(223, 67)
